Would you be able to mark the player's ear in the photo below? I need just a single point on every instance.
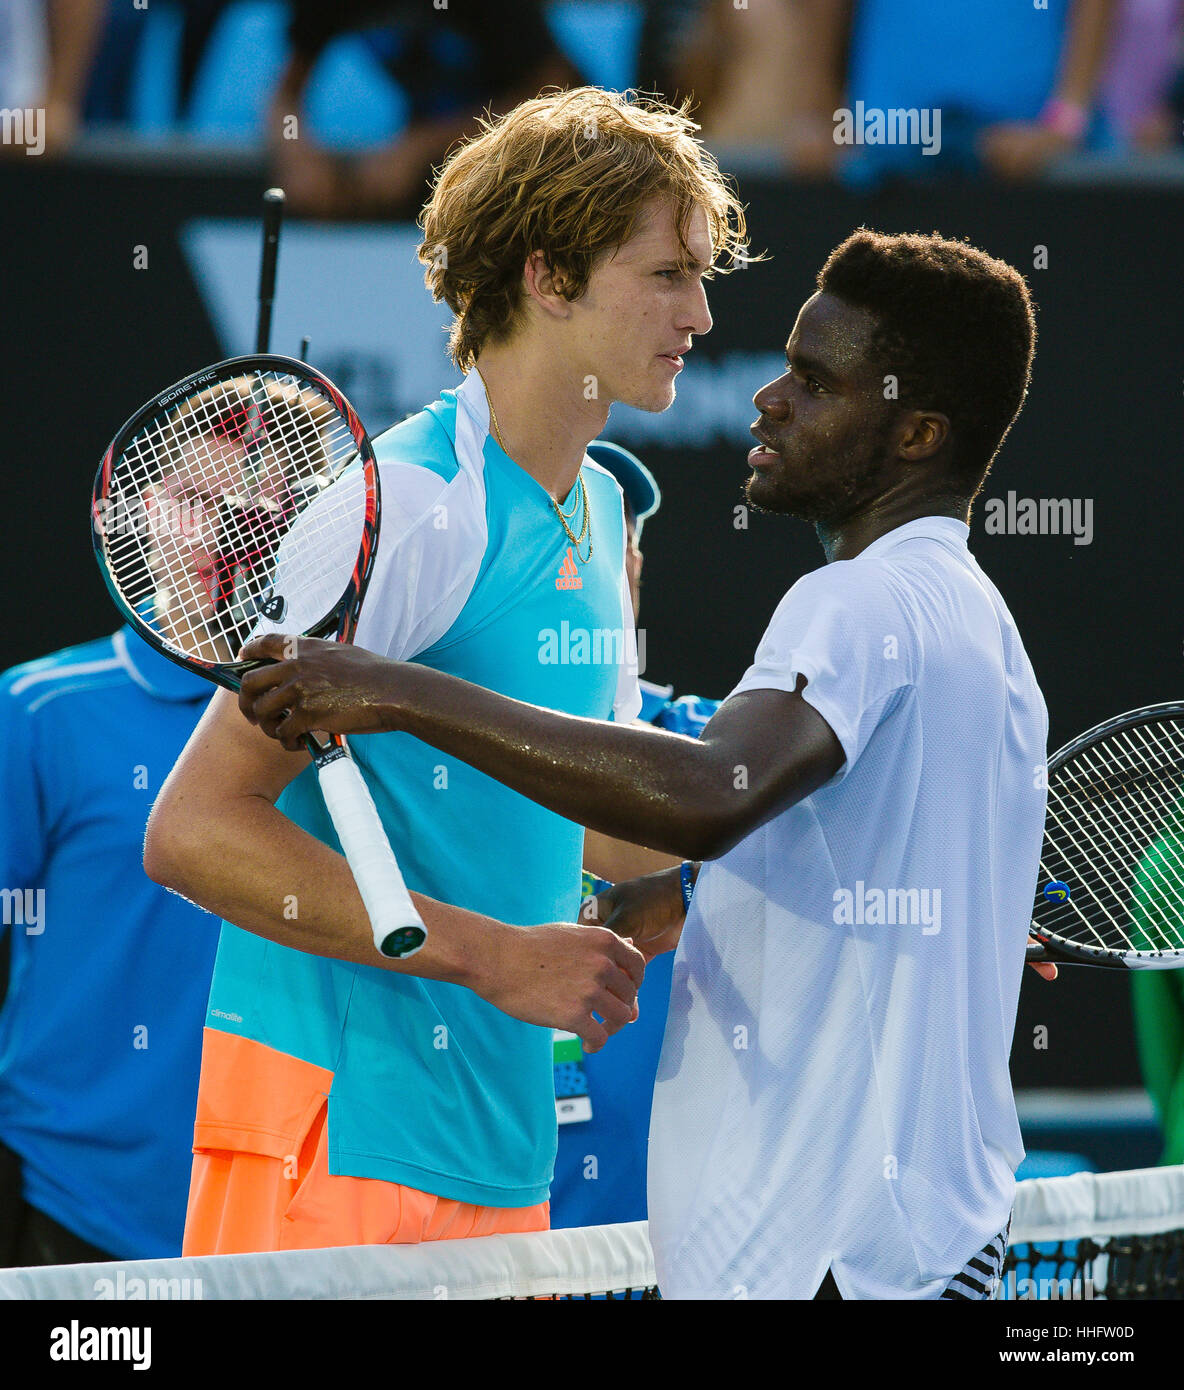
(545, 285)
(924, 433)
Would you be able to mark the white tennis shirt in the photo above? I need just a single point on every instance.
(834, 1087)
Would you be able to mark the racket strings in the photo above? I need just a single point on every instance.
(215, 493)
(1119, 833)
(1107, 846)
(1115, 837)
(1162, 870)
(1110, 842)
(1169, 884)
(1097, 909)
(1111, 849)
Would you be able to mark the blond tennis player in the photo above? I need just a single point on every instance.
(345, 1099)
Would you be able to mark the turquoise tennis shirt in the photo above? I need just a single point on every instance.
(475, 576)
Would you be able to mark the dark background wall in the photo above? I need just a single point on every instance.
(87, 338)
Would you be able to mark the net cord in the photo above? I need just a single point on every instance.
(587, 1260)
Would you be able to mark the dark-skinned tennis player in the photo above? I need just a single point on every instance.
(861, 820)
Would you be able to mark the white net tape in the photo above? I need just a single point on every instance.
(585, 1260)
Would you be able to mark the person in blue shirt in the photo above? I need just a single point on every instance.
(1007, 90)
(100, 1025)
(602, 1099)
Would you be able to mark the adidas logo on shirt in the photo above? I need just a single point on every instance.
(569, 575)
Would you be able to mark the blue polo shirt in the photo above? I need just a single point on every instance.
(993, 62)
(100, 1031)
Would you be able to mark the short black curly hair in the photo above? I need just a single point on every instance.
(956, 328)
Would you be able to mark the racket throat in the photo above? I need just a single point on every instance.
(325, 754)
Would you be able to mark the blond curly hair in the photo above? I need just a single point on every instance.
(567, 174)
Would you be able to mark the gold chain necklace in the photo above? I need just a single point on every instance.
(575, 506)
(581, 494)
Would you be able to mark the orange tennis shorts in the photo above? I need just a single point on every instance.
(267, 1185)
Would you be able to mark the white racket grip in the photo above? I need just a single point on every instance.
(398, 929)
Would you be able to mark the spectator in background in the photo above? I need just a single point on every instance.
(1143, 68)
(1017, 86)
(452, 64)
(603, 1099)
(23, 58)
(1022, 143)
(674, 55)
(46, 50)
(768, 75)
(101, 1023)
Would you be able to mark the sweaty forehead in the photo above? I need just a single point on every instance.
(835, 335)
(655, 235)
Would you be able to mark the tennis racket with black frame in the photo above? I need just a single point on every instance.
(1111, 885)
(246, 492)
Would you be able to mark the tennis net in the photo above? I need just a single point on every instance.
(1114, 1236)
(1093, 1235)
(585, 1263)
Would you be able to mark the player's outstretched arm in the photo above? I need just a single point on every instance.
(694, 798)
(216, 837)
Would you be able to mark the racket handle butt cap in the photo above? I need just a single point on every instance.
(403, 942)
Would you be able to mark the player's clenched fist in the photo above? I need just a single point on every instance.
(648, 911)
(309, 684)
(581, 979)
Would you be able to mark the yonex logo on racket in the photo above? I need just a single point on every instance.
(273, 607)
